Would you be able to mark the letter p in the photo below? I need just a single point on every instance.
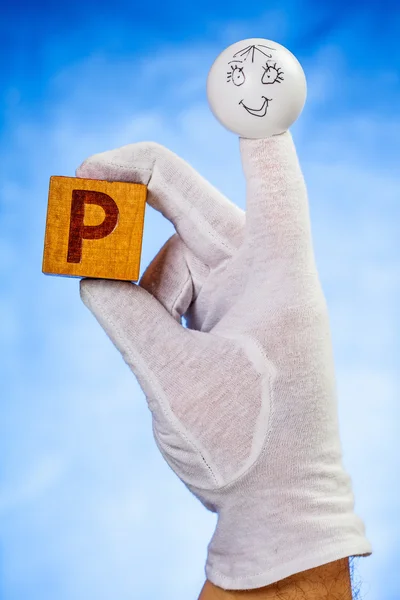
(78, 231)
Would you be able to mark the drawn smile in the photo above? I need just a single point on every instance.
(257, 112)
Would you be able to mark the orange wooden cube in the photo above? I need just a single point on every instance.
(94, 228)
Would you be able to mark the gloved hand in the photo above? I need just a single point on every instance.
(243, 400)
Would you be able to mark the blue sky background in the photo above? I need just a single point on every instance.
(88, 507)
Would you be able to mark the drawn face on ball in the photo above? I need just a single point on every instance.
(256, 88)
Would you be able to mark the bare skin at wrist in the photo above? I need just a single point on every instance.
(328, 582)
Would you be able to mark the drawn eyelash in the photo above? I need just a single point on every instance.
(231, 72)
(278, 73)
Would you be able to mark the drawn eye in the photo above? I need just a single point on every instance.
(272, 74)
(236, 75)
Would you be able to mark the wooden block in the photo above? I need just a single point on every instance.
(94, 228)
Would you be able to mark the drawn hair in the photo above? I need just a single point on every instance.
(250, 50)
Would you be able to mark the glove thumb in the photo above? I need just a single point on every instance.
(146, 334)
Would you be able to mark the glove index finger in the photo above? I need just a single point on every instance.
(209, 224)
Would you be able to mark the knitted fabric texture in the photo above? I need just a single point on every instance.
(243, 399)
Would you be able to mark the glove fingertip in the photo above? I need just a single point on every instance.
(103, 290)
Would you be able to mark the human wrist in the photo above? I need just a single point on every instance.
(326, 582)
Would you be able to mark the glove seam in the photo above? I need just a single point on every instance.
(181, 292)
(112, 164)
(185, 251)
(127, 166)
(210, 469)
(269, 374)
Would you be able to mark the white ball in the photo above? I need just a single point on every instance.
(256, 88)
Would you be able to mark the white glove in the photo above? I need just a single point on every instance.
(243, 400)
